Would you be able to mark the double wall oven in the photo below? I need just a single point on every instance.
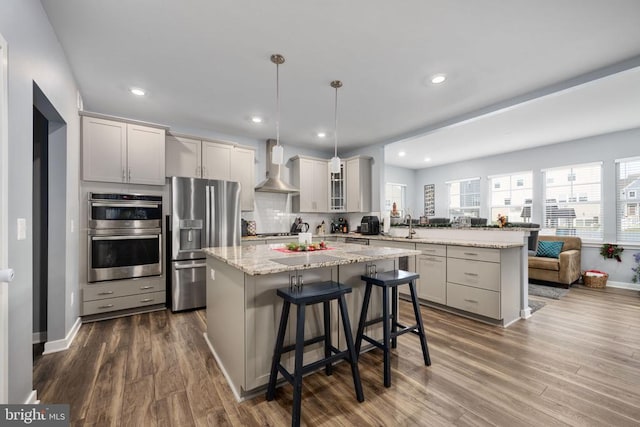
(124, 236)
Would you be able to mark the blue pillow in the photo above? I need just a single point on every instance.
(549, 249)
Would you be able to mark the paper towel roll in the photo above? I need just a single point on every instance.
(7, 275)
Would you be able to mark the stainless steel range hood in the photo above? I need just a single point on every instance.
(273, 183)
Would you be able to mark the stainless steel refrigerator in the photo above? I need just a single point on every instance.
(204, 213)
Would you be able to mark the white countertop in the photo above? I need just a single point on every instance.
(263, 259)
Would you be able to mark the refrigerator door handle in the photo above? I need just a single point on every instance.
(211, 216)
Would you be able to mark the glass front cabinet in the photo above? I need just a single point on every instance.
(337, 191)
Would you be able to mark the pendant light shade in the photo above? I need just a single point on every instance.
(277, 154)
(334, 164)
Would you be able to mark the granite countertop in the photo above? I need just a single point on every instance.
(266, 259)
(441, 241)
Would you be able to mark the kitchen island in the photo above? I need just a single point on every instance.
(243, 309)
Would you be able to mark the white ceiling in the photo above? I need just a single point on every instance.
(205, 65)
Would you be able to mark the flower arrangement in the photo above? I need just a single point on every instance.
(636, 270)
(502, 220)
(609, 250)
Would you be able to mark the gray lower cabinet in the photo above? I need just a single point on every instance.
(117, 295)
(432, 267)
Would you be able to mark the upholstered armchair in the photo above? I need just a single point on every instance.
(565, 269)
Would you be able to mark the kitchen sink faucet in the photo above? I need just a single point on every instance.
(411, 230)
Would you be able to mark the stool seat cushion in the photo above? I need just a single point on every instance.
(391, 278)
(314, 293)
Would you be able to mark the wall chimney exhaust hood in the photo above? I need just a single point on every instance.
(273, 183)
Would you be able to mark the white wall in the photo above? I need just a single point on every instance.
(606, 148)
(36, 56)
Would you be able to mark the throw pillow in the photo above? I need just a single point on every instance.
(549, 249)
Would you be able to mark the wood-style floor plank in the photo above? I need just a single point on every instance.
(575, 362)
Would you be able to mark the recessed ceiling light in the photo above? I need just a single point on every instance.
(256, 119)
(427, 159)
(321, 134)
(402, 154)
(137, 91)
(438, 78)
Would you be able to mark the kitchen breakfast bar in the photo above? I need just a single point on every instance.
(243, 310)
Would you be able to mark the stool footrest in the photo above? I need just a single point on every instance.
(404, 330)
(314, 366)
(372, 341)
(310, 341)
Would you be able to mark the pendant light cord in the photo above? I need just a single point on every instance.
(278, 104)
(335, 131)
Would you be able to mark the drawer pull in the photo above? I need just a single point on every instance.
(146, 300)
(105, 293)
(428, 250)
(102, 307)
(471, 300)
(471, 253)
(471, 274)
(144, 288)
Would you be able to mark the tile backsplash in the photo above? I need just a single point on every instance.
(272, 214)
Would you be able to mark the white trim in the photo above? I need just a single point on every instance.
(462, 180)
(627, 159)
(236, 393)
(61, 345)
(501, 175)
(32, 399)
(624, 285)
(4, 238)
(39, 337)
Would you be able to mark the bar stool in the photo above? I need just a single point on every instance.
(303, 296)
(390, 332)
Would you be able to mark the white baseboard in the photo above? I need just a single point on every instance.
(236, 393)
(39, 337)
(61, 345)
(624, 285)
(32, 399)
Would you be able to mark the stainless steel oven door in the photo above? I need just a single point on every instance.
(124, 254)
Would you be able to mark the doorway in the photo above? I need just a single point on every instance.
(49, 222)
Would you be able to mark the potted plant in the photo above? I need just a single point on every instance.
(636, 270)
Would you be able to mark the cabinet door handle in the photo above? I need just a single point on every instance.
(146, 300)
(471, 300)
(129, 175)
(124, 176)
(144, 288)
(103, 307)
(471, 274)
(105, 293)
(204, 171)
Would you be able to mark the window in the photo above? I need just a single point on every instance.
(628, 215)
(511, 196)
(395, 193)
(572, 200)
(464, 198)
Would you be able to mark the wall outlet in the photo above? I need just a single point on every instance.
(72, 295)
(213, 274)
(22, 229)
(73, 225)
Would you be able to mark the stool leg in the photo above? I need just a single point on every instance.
(416, 311)
(326, 308)
(353, 357)
(297, 375)
(386, 337)
(394, 316)
(363, 318)
(277, 351)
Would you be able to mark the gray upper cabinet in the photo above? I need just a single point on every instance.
(195, 158)
(311, 176)
(358, 178)
(115, 151)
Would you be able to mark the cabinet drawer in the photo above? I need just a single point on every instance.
(433, 281)
(479, 274)
(117, 289)
(121, 303)
(474, 300)
(430, 249)
(480, 254)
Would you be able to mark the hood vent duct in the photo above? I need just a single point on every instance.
(273, 183)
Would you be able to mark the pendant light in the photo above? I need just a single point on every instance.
(334, 164)
(277, 154)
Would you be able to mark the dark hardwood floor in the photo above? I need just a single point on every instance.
(575, 362)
